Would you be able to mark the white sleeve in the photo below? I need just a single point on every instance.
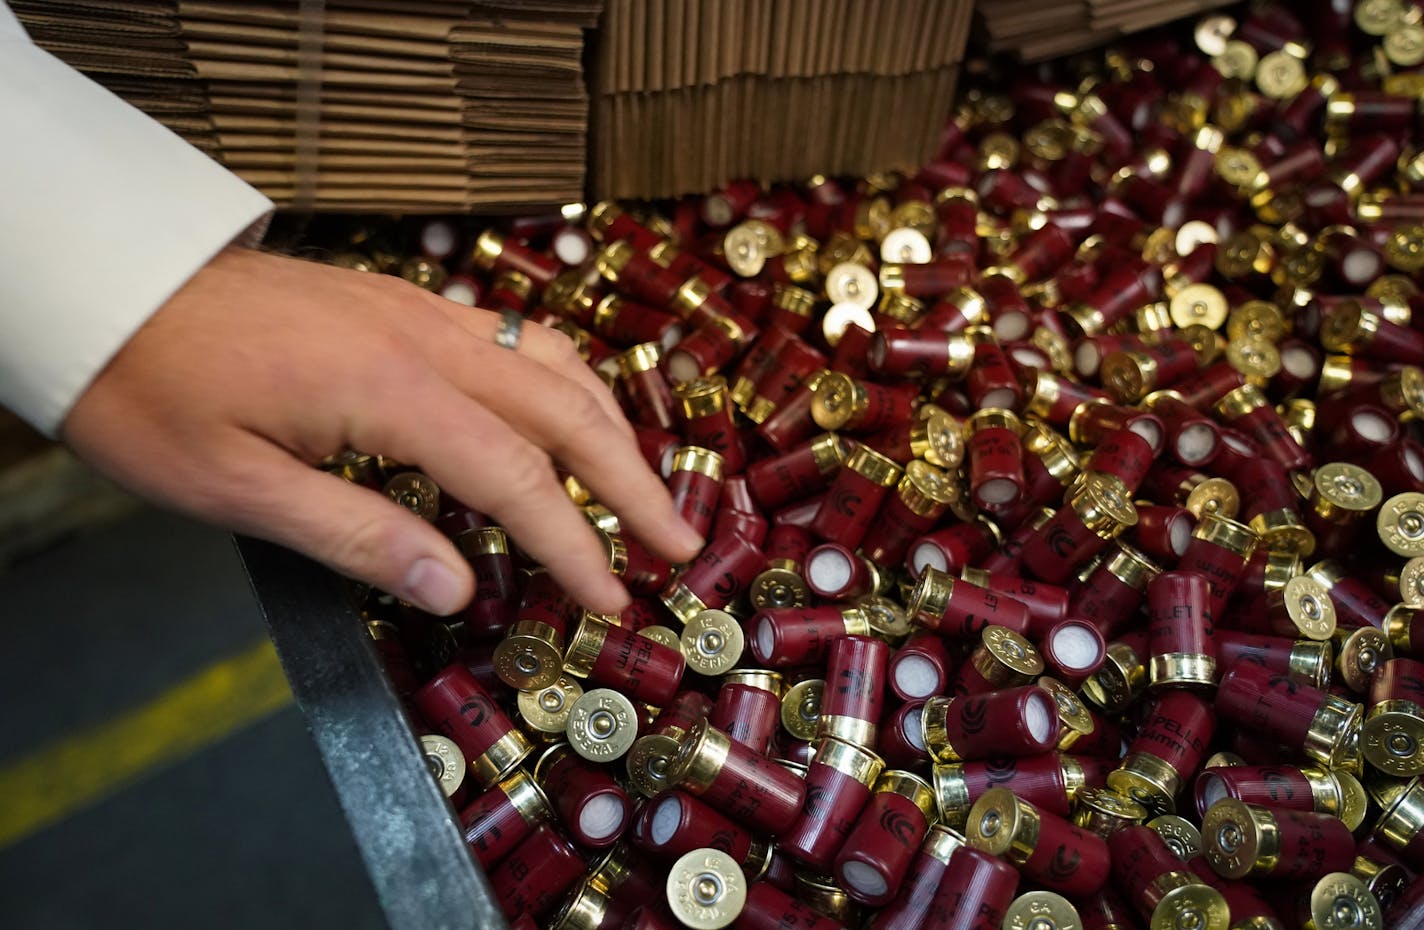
(104, 214)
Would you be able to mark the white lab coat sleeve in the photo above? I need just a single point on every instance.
(104, 214)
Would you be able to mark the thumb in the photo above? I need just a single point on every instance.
(350, 529)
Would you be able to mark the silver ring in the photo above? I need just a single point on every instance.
(506, 334)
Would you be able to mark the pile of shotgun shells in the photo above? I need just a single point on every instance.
(1065, 513)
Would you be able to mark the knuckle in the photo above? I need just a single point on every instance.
(530, 472)
(363, 545)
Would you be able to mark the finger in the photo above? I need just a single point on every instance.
(479, 458)
(351, 529)
(549, 347)
(561, 417)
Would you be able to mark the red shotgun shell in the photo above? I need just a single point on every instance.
(1279, 709)
(675, 823)
(1048, 849)
(1181, 631)
(838, 784)
(1099, 510)
(1286, 787)
(455, 705)
(974, 893)
(1166, 753)
(1049, 781)
(960, 609)
(907, 911)
(787, 637)
(618, 658)
(1162, 887)
(533, 878)
(695, 485)
(855, 495)
(716, 578)
(749, 788)
(593, 806)
(1014, 722)
(855, 689)
(1241, 839)
(995, 455)
(499, 819)
(747, 714)
(876, 855)
(769, 908)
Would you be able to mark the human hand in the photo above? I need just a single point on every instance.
(261, 366)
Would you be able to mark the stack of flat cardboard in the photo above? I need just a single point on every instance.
(426, 105)
(1039, 29)
(691, 93)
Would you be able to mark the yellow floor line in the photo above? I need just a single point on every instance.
(80, 768)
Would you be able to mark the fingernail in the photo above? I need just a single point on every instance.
(433, 586)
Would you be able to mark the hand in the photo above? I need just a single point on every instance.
(261, 366)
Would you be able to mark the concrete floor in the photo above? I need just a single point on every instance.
(245, 833)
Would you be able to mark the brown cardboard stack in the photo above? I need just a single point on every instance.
(1038, 29)
(427, 105)
(691, 93)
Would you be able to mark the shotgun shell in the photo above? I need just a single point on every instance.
(1015, 722)
(1049, 781)
(456, 705)
(707, 420)
(695, 486)
(618, 658)
(855, 690)
(749, 788)
(834, 572)
(497, 821)
(445, 761)
(769, 908)
(797, 474)
(1219, 551)
(959, 609)
(995, 455)
(1243, 839)
(1181, 633)
(747, 714)
(1105, 812)
(837, 786)
(531, 656)
(974, 893)
(855, 495)
(1097, 512)
(843, 403)
(547, 709)
(675, 823)
(533, 878)
(706, 890)
(1285, 787)
(716, 578)
(786, 637)
(1164, 890)
(1048, 849)
(1042, 910)
(909, 908)
(920, 667)
(921, 497)
(1392, 738)
(1167, 752)
(877, 852)
(1343, 900)
(649, 397)
(602, 725)
(1325, 727)
(593, 807)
